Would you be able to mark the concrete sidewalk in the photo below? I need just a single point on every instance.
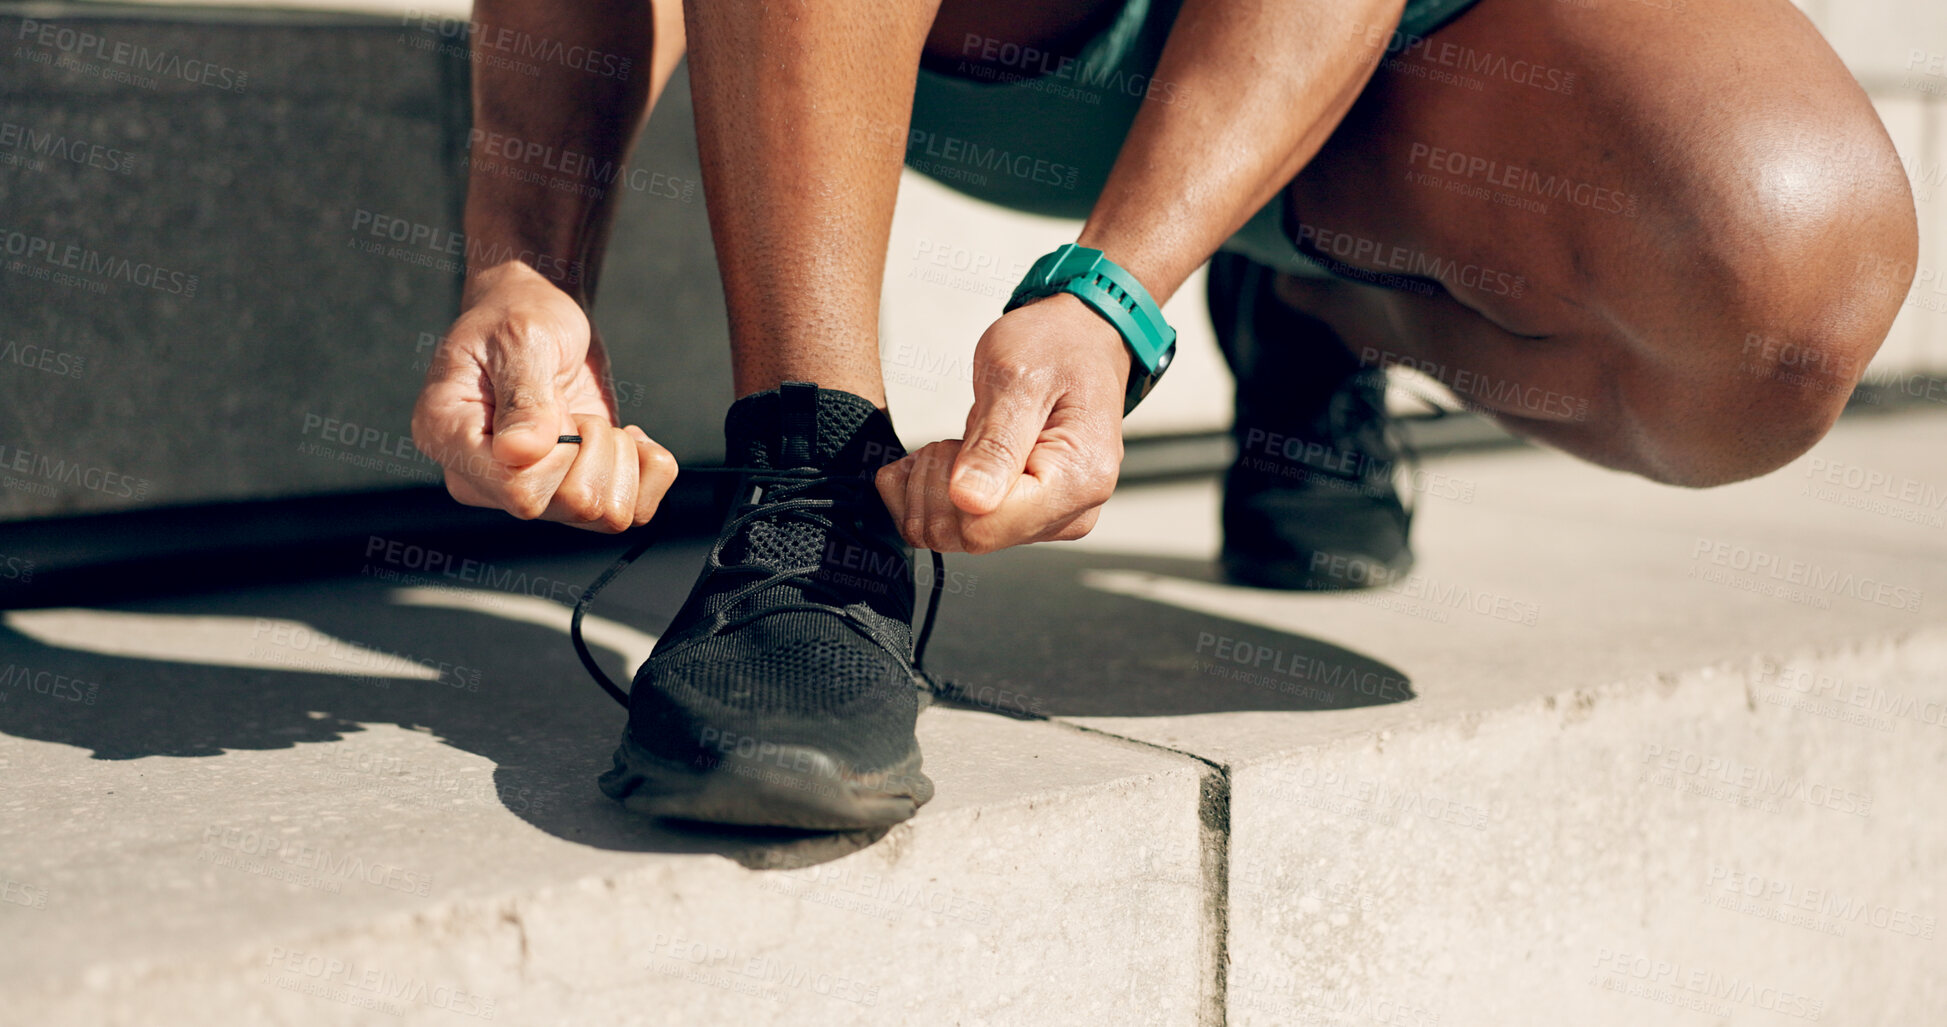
(1613, 753)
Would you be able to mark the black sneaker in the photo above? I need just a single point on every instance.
(785, 690)
(1310, 502)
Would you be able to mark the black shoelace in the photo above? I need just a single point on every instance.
(783, 494)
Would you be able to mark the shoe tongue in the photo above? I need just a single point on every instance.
(844, 435)
(802, 425)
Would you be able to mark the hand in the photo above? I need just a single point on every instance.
(1043, 442)
(520, 368)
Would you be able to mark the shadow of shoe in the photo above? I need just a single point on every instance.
(1040, 632)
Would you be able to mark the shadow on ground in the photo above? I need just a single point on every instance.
(1019, 634)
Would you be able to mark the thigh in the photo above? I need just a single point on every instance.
(1584, 147)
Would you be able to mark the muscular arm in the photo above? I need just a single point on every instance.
(590, 111)
(1259, 89)
(522, 366)
(1263, 85)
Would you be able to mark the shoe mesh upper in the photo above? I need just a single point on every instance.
(820, 657)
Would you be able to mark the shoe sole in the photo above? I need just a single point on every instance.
(793, 786)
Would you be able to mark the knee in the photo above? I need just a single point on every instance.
(1794, 280)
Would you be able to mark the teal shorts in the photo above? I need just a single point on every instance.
(1036, 133)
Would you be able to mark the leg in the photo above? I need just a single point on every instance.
(1648, 244)
(801, 158)
(801, 121)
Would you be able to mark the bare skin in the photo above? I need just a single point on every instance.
(522, 365)
(1741, 224)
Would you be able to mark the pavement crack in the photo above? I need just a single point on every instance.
(1213, 844)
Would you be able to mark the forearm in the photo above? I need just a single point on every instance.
(546, 152)
(1262, 86)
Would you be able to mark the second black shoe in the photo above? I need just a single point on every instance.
(1310, 502)
(784, 692)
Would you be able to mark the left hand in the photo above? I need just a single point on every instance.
(1043, 444)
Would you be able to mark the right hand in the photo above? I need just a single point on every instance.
(520, 368)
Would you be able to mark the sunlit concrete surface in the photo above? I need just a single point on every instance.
(1591, 762)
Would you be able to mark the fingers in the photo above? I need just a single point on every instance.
(617, 481)
(930, 513)
(891, 481)
(655, 473)
(450, 425)
(1010, 406)
(1037, 508)
(602, 476)
(528, 416)
(1068, 477)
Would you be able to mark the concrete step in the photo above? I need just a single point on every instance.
(1613, 753)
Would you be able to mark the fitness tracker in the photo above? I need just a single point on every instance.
(1117, 296)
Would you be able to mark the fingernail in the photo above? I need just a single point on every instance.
(637, 433)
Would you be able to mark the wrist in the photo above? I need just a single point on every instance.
(1109, 290)
(1083, 345)
(502, 232)
(485, 280)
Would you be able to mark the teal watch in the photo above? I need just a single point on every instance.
(1117, 296)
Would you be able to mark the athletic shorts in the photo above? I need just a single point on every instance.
(1036, 133)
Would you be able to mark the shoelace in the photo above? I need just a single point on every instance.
(782, 499)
